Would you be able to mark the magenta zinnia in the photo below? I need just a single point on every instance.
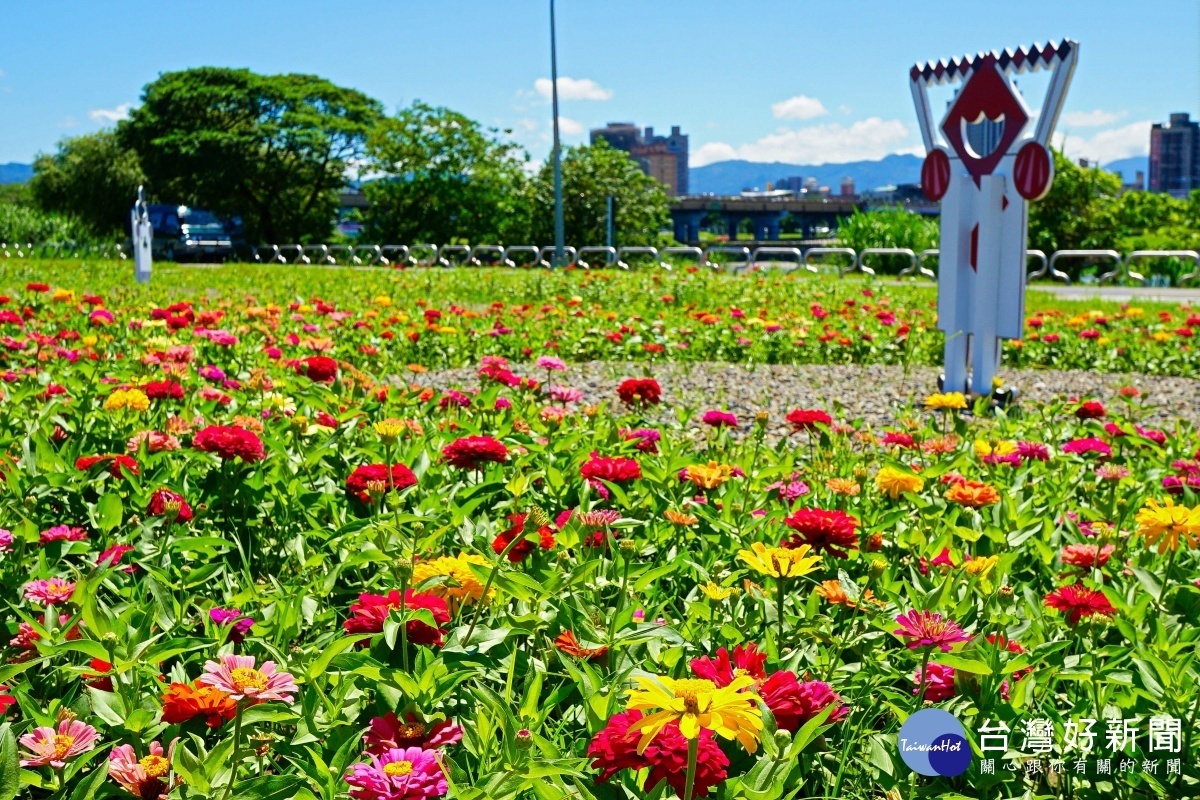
(407, 774)
(929, 629)
(833, 532)
(54, 747)
(1079, 602)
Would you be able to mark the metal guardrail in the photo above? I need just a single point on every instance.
(524, 256)
(1191, 255)
(609, 253)
(860, 261)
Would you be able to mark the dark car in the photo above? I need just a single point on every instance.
(188, 234)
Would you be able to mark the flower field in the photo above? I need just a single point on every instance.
(248, 553)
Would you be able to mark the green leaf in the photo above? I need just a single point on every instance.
(974, 666)
(109, 511)
(10, 766)
(87, 789)
(318, 667)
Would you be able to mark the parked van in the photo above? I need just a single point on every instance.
(188, 234)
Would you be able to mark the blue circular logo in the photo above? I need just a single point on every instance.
(933, 742)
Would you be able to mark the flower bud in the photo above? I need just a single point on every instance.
(1007, 596)
(878, 565)
(782, 738)
(404, 567)
(627, 547)
(524, 739)
(539, 516)
(109, 638)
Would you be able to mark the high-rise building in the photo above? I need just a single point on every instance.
(847, 187)
(1175, 156)
(664, 158)
(793, 183)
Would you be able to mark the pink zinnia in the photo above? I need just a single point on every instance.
(928, 629)
(566, 394)
(1087, 446)
(719, 419)
(237, 676)
(407, 774)
(54, 747)
(62, 533)
(389, 733)
(143, 778)
(6, 540)
(551, 364)
(939, 682)
(49, 593)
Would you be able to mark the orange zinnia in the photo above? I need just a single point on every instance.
(185, 701)
(680, 518)
(973, 494)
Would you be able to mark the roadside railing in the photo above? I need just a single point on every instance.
(728, 257)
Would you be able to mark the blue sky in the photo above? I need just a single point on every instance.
(767, 80)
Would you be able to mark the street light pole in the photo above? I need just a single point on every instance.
(559, 235)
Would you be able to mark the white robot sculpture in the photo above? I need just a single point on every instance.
(142, 234)
(985, 196)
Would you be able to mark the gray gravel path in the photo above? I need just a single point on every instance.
(876, 393)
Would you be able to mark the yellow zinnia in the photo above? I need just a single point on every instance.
(1167, 524)
(780, 562)
(982, 566)
(1000, 449)
(714, 592)
(894, 482)
(731, 711)
(949, 401)
(133, 399)
(458, 584)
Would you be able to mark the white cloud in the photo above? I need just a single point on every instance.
(528, 124)
(867, 139)
(573, 89)
(1128, 140)
(798, 107)
(1090, 119)
(569, 127)
(110, 114)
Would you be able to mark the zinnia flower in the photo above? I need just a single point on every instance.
(408, 774)
(239, 678)
(893, 482)
(719, 419)
(833, 532)
(459, 585)
(389, 733)
(112, 461)
(780, 562)
(1086, 556)
(639, 391)
(47, 746)
(50, 592)
(1166, 525)
(229, 443)
(973, 494)
(569, 644)
(615, 747)
(545, 538)
(372, 610)
(185, 701)
(938, 680)
(471, 452)
(613, 470)
(238, 623)
(143, 778)
(949, 401)
(62, 533)
(1088, 446)
(1079, 602)
(165, 503)
(929, 629)
(809, 419)
(321, 369)
(730, 712)
(709, 476)
(359, 480)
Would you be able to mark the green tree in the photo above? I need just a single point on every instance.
(888, 227)
(591, 174)
(445, 178)
(93, 178)
(1078, 212)
(272, 148)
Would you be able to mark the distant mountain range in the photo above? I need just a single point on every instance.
(15, 173)
(732, 177)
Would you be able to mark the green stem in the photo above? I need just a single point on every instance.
(487, 586)
(612, 622)
(924, 679)
(781, 587)
(1162, 591)
(690, 781)
(237, 735)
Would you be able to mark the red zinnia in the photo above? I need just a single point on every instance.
(614, 748)
(321, 369)
(795, 702)
(802, 419)
(570, 645)
(470, 452)
(639, 391)
(84, 463)
(356, 484)
(525, 546)
(372, 610)
(163, 390)
(164, 503)
(1087, 556)
(184, 701)
(833, 532)
(613, 470)
(1079, 602)
(746, 658)
(229, 443)
(1092, 409)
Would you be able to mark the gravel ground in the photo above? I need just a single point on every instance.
(878, 394)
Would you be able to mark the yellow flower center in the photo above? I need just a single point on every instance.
(412, 730)
(689, 690)
(62, 743)
(155, 766)
(248, 678)
(396, 769)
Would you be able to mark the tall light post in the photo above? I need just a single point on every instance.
(558, 200)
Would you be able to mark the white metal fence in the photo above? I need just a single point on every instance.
(729, 257)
